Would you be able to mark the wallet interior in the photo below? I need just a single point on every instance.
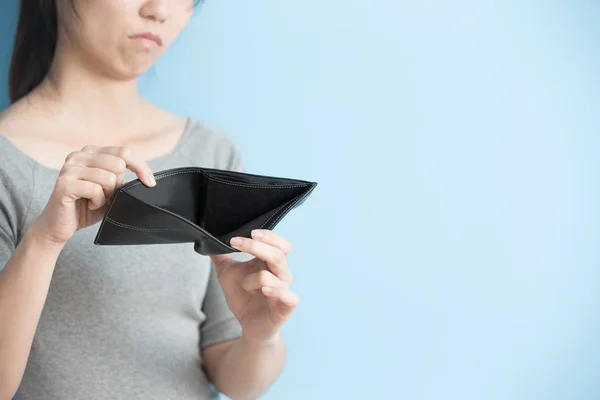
(224, 204)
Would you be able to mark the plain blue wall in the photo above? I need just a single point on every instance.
(451, 249)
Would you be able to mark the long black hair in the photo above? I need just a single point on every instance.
(35, 45)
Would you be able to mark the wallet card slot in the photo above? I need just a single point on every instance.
(261, 222)
(284, 209)
(229, 207)
(182, 194)
(250, 180)
(262, 185)
(268, 220)
(146, 230)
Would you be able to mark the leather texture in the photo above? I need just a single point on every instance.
(203, 206)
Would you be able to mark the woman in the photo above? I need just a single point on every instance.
(79, 321)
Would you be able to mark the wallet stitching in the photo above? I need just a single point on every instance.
(122, 225)
(272, 215)
(290, 205)
(275, 213)
(113, 201)
(107, 218)
(255, 186)
(225, 182)
(147, 230)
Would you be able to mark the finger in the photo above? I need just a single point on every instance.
(102, 177)
(274, 257)
(91, 149)
(133, 162)
(78, 189)
(252, 283)
(111, 163)
(108, 162)
(288, 300)
(77, 158)
(120, 179)
(270, 237)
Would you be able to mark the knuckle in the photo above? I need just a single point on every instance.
(122, 165)
(263, 277)
(124, 152)
(279, 257)
(97, 191)
(67, 169)
(71, 157)
(62, 180)
(89, 148)
(111, 179)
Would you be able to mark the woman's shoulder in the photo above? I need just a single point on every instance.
(17, 185)
(16, 168)
(14, 162)
(205, 144)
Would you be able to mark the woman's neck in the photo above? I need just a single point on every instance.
(82, 96)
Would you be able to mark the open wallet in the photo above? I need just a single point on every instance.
(203, 206)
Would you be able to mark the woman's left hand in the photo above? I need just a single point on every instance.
(258, 291)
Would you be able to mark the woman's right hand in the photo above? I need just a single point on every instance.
(86, 181)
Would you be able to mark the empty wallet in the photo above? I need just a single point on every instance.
(203, 206)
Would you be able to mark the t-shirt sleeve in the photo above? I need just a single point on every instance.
(220, 324)
(236, 160)
(7, 242)
(15, 197)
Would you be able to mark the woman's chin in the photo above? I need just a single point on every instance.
(133, 67)
(131, 73)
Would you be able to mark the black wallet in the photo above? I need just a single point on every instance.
(203, 206)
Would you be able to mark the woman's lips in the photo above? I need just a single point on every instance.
(148, 38)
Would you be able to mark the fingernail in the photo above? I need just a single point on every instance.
(236, 242)
(151, 180)
(267, 289)
(257, 234)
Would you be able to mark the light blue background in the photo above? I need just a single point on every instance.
(451, 249)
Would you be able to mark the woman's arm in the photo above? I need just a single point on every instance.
(24, 284)
(258, 294)
(78, 200)
(242, 369)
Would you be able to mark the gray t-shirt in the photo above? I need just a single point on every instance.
(120, 322)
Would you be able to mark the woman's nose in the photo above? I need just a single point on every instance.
(157, 10)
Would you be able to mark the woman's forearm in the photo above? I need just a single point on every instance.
(24, 284)
(247, 369)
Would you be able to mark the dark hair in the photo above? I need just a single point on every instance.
(35, 44)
